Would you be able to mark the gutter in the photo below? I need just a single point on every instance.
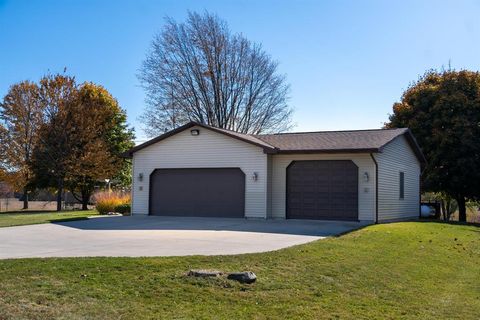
(376, 187)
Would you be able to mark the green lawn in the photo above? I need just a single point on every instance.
(391, 271)
(35, 217)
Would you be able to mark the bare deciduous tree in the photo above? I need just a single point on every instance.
(200, 71)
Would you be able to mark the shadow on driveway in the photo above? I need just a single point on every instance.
(293, 227)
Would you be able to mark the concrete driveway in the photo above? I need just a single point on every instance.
(161, 236)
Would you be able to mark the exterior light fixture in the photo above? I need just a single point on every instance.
(194, 132)
(255, 176)
(107, 181)
(140, 176)
(366, 177)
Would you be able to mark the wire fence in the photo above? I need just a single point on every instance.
(13, 204)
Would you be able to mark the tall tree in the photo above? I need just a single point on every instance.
(99, 138)
(22, 115)
(200, 71)
(82, 138)
(51, 154)
(118, 137)
(443, 111)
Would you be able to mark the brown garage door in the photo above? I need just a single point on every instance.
(322, 190)
(198, 192)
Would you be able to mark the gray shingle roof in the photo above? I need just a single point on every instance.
(354, 140)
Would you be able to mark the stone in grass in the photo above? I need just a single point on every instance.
(243, 277)
(204, 273)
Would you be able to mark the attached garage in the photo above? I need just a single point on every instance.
(204, 192)
(202, 171)
(322, 189)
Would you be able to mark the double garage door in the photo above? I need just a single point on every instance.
(204, 192)
(315, 190)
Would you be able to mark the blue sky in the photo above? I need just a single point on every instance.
(346, 61)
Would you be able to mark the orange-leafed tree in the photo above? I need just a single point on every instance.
(99, 137)
(81, 139)
(21, 114)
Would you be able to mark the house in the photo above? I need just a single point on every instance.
(200, 170)
(6, 190)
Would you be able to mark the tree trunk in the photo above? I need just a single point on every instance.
(462, 210)
(25, 198)
(85, 200)
(444, 210)
(59, 195)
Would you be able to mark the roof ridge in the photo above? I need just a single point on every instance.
(328, 131)
(247, 135)
(299, 132)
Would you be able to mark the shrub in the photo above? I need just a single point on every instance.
(123, 209)
(106, 202)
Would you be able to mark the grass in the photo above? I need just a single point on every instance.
(422, 270)
(20, 218)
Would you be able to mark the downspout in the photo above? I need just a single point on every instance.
(420, 197)
(376, 187)
(132, 190)
(422, 170)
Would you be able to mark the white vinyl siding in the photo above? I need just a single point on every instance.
(366, 190)
(397, 156)
(207, 150)
(269, 185)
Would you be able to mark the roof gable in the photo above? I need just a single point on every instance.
(239, 136)
(413, 145)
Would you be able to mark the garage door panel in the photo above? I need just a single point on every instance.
(204, 192)
(322, 189)
(323, 196)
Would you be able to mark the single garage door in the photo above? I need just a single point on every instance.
(198, 192)
(322, 190)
